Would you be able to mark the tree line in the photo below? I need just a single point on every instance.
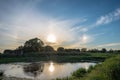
(37, 45)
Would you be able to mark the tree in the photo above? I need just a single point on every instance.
(60, 49)
(83, 49)
(48, 49)
(103, 50)
(33, 45)
(8, 51)
(19, 50)
(111, 51)
(93, 50)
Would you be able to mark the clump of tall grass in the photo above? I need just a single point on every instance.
(108, 70)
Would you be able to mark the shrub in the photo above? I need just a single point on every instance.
(79, 73)
(90, 69)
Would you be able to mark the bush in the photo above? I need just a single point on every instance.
(79, 73)
(90, 69)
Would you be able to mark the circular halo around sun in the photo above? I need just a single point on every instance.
(51, 38)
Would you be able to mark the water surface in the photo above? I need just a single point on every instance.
(48, 71)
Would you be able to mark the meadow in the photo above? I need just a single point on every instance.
(60, 57)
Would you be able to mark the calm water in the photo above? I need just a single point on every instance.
(48, 71)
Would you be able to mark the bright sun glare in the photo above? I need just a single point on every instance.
(51, 38)
(84, 38)
(51, 67)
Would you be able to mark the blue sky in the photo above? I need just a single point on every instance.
(75, 23)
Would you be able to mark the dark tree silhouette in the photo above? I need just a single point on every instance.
(83, 49)
(111, 51)
(33, 45)
(93, 50)
(103, 50)
(8, 51)
(60, 49)
(48, 49)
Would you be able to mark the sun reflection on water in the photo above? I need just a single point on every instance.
(51, 67)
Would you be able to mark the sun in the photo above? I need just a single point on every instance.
(85, 38)
(51, 38)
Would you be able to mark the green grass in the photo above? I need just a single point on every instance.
(31, 57)
(108, 70)
(79, 73)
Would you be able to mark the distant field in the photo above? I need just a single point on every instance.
(32, 57)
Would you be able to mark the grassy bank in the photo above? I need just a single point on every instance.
(56, 57)
(108, 70)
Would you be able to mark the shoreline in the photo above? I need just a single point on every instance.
(91, 57)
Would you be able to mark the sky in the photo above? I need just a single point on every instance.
(74, 23)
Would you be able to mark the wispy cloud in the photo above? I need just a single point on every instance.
(79, 29)
(81, 41)
(109, 17)
(109, 45)
(28, 22)
(25, 26)
(106, 19)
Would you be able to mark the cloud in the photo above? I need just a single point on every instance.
(27, 25)
(27, 22)
(109, 45)
(109, 17)
(80, 41)
(79, 29)
(83, 39)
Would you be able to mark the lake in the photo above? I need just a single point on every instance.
(41, 70)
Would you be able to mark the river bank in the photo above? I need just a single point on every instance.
(86, 57)
(108, 70)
